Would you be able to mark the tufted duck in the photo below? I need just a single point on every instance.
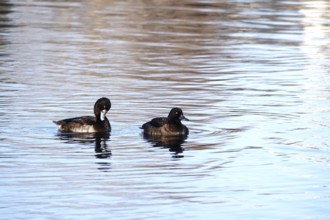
(88, 124)
(167, 126)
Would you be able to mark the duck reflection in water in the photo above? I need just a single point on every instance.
(100, 139)
(173, 143)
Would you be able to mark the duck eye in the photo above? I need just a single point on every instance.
(177, 113)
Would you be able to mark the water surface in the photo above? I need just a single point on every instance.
(252, 76)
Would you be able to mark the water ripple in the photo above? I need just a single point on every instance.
(252, 77)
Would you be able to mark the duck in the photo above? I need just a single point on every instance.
(88, 124)
(167, 126)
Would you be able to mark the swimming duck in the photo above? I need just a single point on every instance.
(88, 124)
(167, 126)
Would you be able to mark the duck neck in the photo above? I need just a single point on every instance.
(173, 121)
(98, 118)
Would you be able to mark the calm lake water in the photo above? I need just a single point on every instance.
(253, 77)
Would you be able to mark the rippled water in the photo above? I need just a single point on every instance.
(252, 76)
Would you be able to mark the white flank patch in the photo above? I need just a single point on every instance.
(84, 129)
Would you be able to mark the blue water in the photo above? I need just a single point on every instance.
(252, 76)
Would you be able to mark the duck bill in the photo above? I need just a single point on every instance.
(102, 116)
(184, 118)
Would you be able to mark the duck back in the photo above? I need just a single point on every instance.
(84, 124)
(163, 127)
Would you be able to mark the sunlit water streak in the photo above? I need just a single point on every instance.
(252, 77)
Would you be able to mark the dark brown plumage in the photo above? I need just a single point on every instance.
(167, 126)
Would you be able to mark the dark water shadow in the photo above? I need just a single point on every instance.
(173, 144)
(99, 140)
